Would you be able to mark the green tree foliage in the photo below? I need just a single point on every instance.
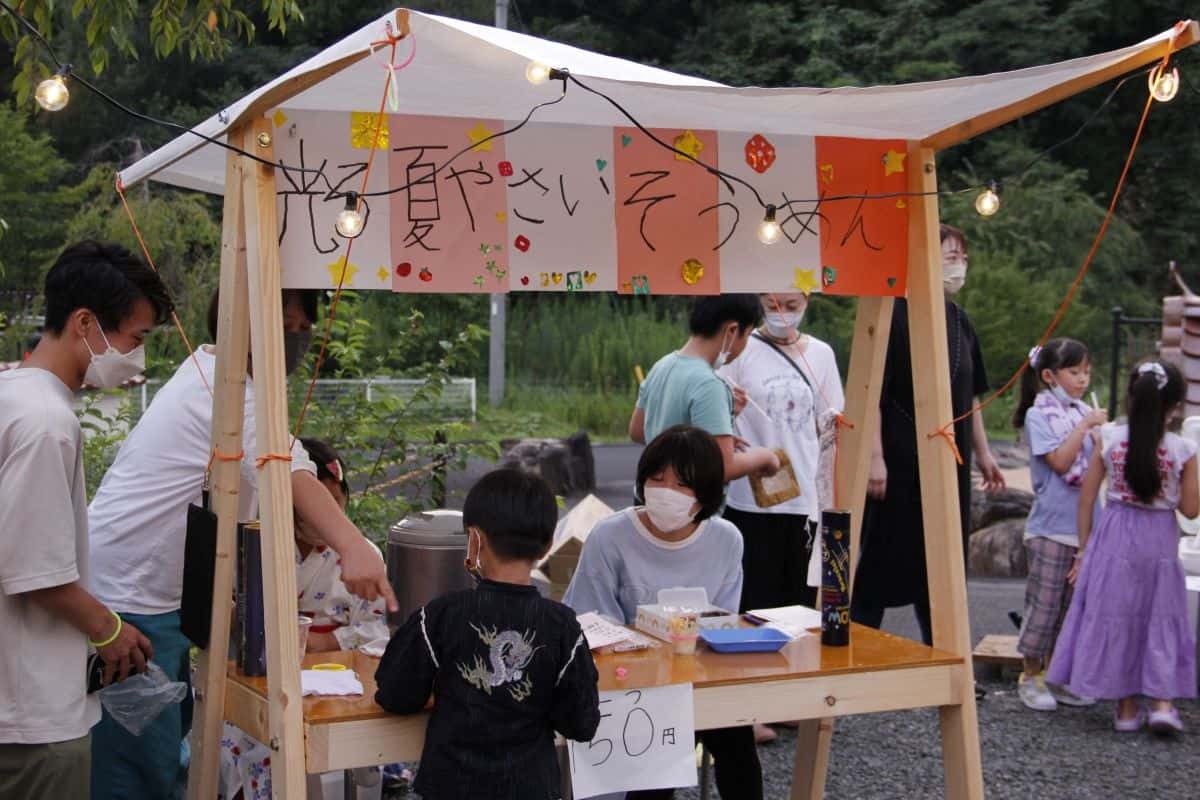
(205, 29)
(32, 200)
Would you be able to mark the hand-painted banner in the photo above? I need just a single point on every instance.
(579, 208)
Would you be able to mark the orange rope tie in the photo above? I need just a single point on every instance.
(945, 431)
(217, 455)
(146, 252)
(262, 461)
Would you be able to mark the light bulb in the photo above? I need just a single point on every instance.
(52, 94)
(537, 73)
(1164, 85)
(988, 202)
(769, 230)
(349, 222)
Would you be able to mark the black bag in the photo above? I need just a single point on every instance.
(199, 571)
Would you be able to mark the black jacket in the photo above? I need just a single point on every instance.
(507, 669)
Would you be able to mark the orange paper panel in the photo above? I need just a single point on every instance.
(664, 232)
(864, 242)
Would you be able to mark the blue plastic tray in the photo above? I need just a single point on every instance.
(744, 640)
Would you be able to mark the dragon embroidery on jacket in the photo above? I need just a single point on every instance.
(509, 653)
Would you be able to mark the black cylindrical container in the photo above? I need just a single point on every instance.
(251, 623)
(835, 577)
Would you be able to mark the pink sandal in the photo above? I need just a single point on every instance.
(1165, 723)
(1129, 724)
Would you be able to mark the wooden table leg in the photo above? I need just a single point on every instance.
(813, 739)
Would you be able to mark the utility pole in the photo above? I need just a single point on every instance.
(499, 302)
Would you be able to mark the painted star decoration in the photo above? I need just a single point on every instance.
(366, 127)
(383, 274)
(806, 280)
(689, 143)
(341, 272)
(893, 162)
(477, 135)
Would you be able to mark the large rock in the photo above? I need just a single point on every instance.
(990, 508)
(998, 551)
(566, 464)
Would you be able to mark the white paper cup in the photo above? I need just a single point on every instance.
(305, 624)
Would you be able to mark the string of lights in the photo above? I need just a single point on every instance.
(53, 94)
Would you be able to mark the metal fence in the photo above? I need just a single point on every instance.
(457, 400)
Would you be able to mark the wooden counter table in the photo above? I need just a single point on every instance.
(805, 681)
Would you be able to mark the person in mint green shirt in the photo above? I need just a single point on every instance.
(683, 388)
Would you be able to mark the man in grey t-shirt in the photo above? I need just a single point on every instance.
(101, 302)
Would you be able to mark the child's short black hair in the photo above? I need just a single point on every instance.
(106, 279)
(309, 300)
(516, 510)
(708, 314)
(327, 460)
(696, 458)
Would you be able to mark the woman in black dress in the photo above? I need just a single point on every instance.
(891, 568)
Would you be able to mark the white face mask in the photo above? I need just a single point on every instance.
(112, 368)
(954, 275)
(669, 510)
(723, 356)
(782, 325)
(1062, 395)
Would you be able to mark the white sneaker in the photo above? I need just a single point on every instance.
(1034, 694)
(1068, 698)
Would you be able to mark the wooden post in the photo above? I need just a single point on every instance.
(286, 719)
(939, 478)
(864, 380)
(863, 383)
(229, 394)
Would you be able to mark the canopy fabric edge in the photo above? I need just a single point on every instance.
(968, 129)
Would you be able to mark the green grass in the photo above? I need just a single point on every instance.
(535, 411)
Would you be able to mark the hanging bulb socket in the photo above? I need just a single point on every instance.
(537, 73)
(769, 230)
(1163, 83)
(350, 222)
(988, 201)
(52, 94)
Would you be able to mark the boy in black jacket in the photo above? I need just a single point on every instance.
(507, 668)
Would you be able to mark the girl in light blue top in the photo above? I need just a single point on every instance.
(1055, 422)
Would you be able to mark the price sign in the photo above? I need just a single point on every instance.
(646, 740)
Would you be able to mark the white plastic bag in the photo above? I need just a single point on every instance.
(138, 700)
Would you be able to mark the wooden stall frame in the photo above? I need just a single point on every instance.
(250, 281)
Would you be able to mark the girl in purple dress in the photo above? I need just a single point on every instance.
(1126, 634)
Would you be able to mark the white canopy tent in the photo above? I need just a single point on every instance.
(470, 72)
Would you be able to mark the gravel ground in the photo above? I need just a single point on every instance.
(1069, 754)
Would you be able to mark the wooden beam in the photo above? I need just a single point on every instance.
(274, 476)
(864, 379)
(813, 740)
(229, 391)
(1001, 116)
(872, 326)
(939, 475)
